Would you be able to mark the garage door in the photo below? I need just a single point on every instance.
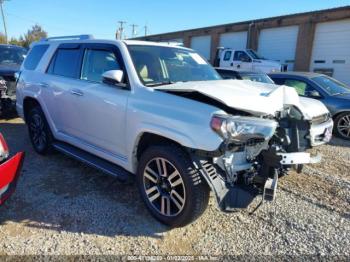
(331, 50)
(236, 40)
(279, 44)
(202, 45)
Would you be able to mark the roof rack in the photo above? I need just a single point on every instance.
(69, 37)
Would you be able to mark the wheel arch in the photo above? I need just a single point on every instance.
(340, 112)
(29, 103)
(145, 140)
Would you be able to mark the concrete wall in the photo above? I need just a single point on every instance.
(306, 22)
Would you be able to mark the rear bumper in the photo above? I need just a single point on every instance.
(9, 173)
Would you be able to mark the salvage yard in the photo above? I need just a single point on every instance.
(64, 207)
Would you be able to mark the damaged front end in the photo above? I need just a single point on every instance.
(256, 151)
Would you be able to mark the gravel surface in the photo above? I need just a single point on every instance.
(64, 207)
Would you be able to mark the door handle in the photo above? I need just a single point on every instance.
(231, 64)
(238, 66)
(44, 85)
(76, 92)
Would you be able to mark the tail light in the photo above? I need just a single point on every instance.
(4, 150)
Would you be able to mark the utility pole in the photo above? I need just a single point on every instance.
(3, 19)
(146, 30)
(121, 28)
(133, 33)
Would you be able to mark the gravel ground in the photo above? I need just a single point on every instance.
(64, 207)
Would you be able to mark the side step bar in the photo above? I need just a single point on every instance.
(94, 161)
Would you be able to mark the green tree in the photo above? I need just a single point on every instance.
(34, 34)
(15, 41)
(2, 38)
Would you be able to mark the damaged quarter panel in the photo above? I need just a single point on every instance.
(182, 120)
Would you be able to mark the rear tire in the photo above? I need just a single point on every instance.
(172, 189)
(39, 131)
(342, 125)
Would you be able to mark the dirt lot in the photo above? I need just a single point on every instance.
(64, 207)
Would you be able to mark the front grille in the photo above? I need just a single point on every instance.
(320, 119)
(10, 84)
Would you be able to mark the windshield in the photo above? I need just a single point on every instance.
(160, 65)
(12, 55)
(331, 86)
(263, 78)
(254, 54)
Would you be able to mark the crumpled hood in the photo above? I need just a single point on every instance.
(252, 97)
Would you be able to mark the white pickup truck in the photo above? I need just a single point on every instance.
(162, 114)
(246, 60)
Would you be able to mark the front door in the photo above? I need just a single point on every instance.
(101, 117)
(242, 61)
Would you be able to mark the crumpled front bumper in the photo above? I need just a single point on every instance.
(9, 174)
(321, 133)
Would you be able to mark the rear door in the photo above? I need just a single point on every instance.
(61, 76)
(226, 58)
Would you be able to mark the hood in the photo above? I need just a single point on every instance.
(345, 96)
(268, 63)
(252, 97)
(9, 69)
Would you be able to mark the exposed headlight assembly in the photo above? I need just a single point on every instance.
(243, 129)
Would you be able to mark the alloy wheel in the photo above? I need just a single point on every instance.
(164, 187)
(344, 126)
(37, 129)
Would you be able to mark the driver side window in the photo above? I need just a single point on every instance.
(241, 56)
(96, 62)
(301, 87)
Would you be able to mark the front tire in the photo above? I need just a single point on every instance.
(342, 125)
(39, 131)
(173, 191)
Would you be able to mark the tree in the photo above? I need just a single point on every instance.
(34, 34)
(2, 38)
(15, 41)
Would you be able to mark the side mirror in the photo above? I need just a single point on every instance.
(313, 93)
(245, 59)
(113, 77)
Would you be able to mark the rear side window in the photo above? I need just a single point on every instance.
(65, 63)
(227, 56)
(34, 57)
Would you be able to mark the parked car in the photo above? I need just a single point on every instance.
(9, 170)
(227, 73)
(246, 60)
(334, 94)
(11, 58)
(163, 115)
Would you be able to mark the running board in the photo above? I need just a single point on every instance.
(94, 161)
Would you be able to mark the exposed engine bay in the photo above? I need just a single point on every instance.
(256, 150)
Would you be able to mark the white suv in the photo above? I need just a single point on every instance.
(161, 113)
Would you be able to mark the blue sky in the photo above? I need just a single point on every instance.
(99, 17)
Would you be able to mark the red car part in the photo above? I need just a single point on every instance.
(9, 173)
(3, 147)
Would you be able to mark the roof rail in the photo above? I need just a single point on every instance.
(69, 37)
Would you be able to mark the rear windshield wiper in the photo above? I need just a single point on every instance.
(163, 83)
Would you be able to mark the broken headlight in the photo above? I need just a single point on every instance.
(243, 129)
